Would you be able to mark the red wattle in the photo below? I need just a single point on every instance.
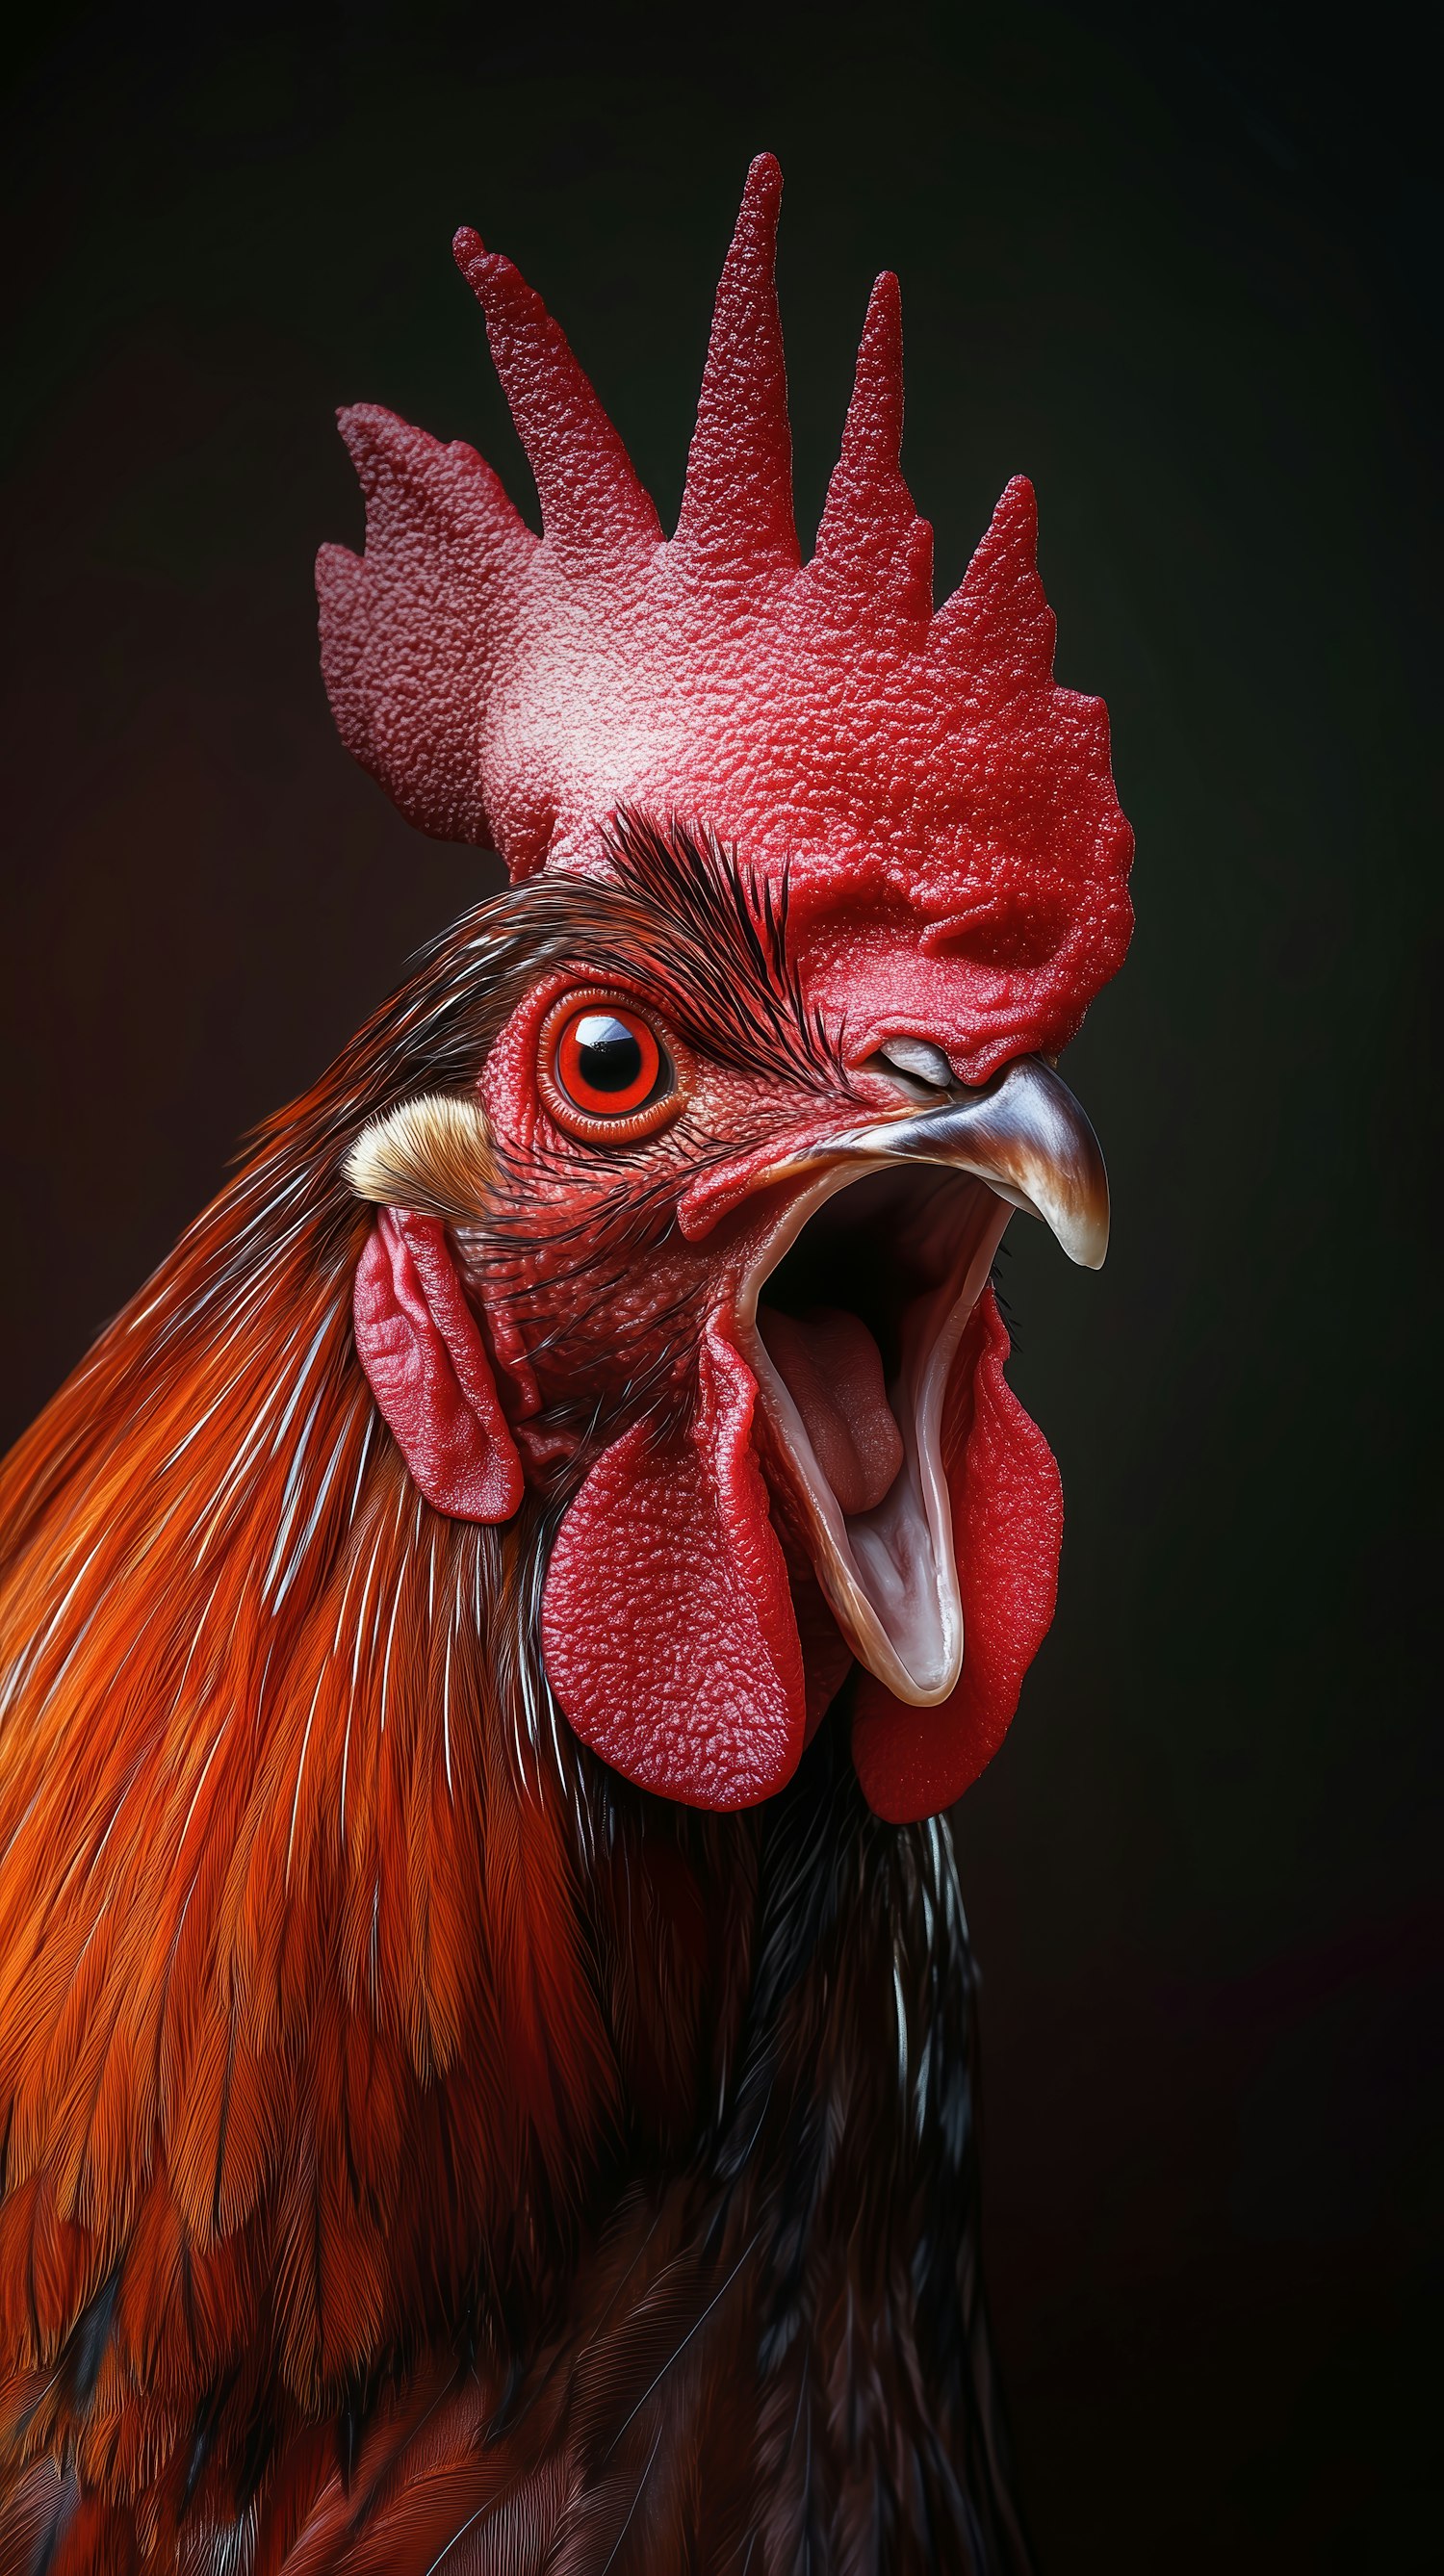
(1007, 1530)
(668, 1632)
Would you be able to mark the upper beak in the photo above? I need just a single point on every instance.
(1025, 1135)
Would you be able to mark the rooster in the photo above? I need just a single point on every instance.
(490, 1634)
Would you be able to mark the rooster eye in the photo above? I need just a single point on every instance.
(603, 1071)
(608, 1065)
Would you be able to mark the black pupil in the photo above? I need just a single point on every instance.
(608, 1055)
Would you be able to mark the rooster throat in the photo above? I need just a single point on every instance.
(889, 1572)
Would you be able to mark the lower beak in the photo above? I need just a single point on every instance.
(1025, 1135)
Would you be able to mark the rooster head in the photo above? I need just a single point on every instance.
(812, 883)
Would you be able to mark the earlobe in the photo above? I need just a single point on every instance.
(423, 1354)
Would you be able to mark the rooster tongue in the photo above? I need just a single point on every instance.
(832, 1369)
(855, 1459)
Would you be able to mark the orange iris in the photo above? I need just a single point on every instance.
(603, 1070)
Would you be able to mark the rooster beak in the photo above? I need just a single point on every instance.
(1025, 1135)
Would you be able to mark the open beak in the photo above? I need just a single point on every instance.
(901, 1217)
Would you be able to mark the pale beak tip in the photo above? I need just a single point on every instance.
(1089, 1246)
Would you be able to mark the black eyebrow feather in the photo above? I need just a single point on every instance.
(729, 957)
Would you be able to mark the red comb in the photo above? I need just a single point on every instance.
(946, 813)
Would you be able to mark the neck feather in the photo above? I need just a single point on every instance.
(296, 1997)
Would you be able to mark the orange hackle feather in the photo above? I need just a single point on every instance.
(295, 2024)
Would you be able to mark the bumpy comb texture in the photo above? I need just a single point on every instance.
(945, 811)
(737, 504)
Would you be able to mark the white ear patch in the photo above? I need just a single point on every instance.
(433, 1156)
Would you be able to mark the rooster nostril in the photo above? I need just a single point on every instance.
(919, 1057)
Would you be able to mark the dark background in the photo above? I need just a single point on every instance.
(1179, 274)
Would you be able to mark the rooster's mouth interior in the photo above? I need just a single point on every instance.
(850, 1321)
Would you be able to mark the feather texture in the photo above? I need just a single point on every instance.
(421, 2150)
